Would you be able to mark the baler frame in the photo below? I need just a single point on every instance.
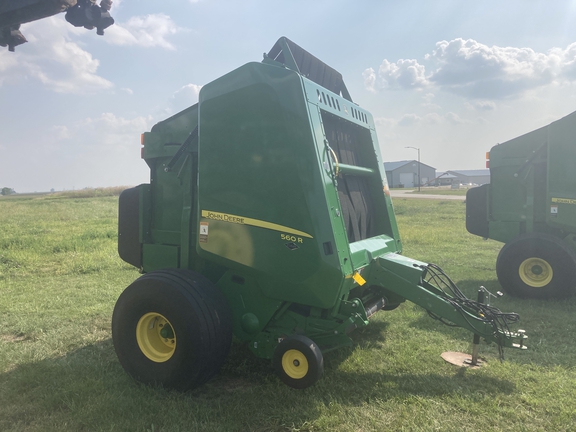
(268, 215)
(530, 205)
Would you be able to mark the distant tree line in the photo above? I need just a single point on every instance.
(7, 191)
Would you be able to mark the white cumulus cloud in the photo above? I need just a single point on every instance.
(455, 119)
(401, 74)
(146, 31)
(412, 120)
(53, 59)
(476, 71)
(567, 61)
(409, 120)
(54, 55)
(481, 105)
(184, 97)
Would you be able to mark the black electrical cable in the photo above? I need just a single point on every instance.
(488, 314)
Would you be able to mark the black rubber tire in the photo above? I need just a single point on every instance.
(557, 259)
(201, 320)
(300, 346)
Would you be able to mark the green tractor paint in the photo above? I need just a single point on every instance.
(268, 216)
(530, 205)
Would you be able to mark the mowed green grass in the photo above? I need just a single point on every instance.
(60, 276)
(440, 191)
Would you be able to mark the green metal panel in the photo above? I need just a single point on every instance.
(533, 182)
(168, 196)
(505, 231)
(561, 197)
(512, 185)
(261, 187)
(327, 103)
(251, 308)
(157, 256)
(506, 160)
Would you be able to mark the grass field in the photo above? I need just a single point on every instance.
(440, 191)
(60, 277)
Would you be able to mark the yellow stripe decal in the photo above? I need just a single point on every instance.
(224, 217)
(564, 200)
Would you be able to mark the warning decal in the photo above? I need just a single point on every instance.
(203, 232)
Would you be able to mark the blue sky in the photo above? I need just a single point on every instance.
(450, 77)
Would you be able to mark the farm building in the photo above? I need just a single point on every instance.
(480, 177)
(405, 173)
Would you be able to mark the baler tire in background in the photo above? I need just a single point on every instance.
(538, 266)
(298, 362)
(172, 328)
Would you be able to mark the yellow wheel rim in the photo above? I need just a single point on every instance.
(156, 338)
(535, 272)
(295, 364)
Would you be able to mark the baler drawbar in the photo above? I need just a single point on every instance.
(268, 216)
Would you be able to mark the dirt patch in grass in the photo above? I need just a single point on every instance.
(14, 338)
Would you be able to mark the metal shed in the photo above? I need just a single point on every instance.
(479, 177)
(404, 174)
